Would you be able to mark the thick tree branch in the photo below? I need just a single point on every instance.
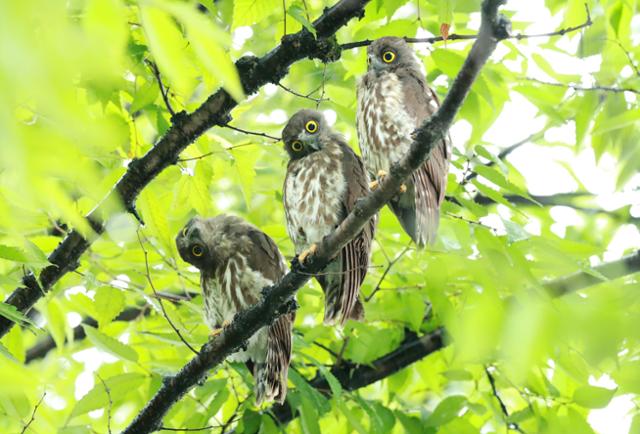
(274, 303)
(611, 270)
(414, 348)
(254, 72)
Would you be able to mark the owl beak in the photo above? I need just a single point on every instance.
(309, 139)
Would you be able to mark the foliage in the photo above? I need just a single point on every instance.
(80, 101)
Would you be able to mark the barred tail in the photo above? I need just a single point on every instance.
(341, 288)
(271, 376)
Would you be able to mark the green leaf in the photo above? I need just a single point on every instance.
(445, 11)
(247, 12)
(352, 418)
(413, 425)
(169, 48)
(244, 163)
(5, 352)
(308, 417)
(109, 302)
(298, 13)
(593, 397)
(144, 97)
(446, 410)
(119, 387)
(13, 254)
(334, 384)
(12, 313)
(635, 425)
(110, 345)
(381, 419)
(209, 44)
(492, 174)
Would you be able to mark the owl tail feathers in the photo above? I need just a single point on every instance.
(271, 376)
(334, 314)
(271, 385)
(427, 227)
(417, 219)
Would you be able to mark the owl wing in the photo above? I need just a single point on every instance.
(430, 179)
(343, 301)
(271, 376)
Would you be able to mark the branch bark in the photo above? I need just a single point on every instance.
(414, 348)
(254, 72)
(493, 28)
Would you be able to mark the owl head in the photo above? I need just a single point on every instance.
(193, 245)
(390, 53)
(304, 133)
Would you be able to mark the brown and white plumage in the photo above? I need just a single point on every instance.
(236, 261)
(324, 179)
(393, 100)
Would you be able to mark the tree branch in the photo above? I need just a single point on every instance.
(456, 37)
(611, 270)
(413, 348)
(274, 303)
(584, 88)
(254, 72)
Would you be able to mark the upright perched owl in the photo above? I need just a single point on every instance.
(393, 100)
(236, 261)
(324, 179)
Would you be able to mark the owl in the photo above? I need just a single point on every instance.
(323, 181)
(393, 100)
(236, 261)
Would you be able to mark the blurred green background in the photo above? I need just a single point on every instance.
(79, 101)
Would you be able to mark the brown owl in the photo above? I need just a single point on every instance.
(393, 100)
(236, 261)
(324, 179)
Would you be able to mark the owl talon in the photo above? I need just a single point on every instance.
(373, 185)
(403, 188)
(310, 251)
(215, 332)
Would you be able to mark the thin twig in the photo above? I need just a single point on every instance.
(628, 54)
(456, 37)
(342, 350)
(208, 154)
(337, 273)
(324, 80)
(204, 428)
(504, 153)
(160, 301)
(253, 133)
(585, 89)
(471, 222)
(108, 391)
(307, 96)
(164, 91)
(510, 425)
(284, 14)
(33, 414)
(390, 264)
(306, 10)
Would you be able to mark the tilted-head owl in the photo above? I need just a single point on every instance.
(393, 100)
(236, 261)
(324, 179)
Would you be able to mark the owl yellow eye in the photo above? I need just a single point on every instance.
(197, 250)
(311, 126)
(388, 56)
(296, 145)
(184, 232)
